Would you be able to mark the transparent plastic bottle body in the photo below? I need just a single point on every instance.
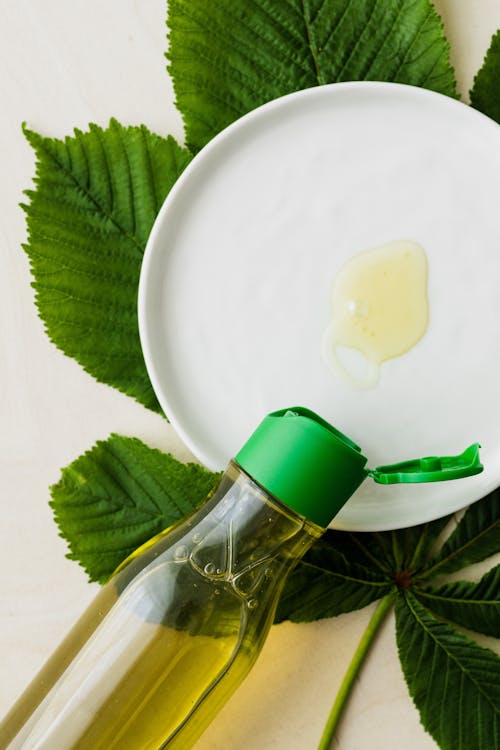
(171, 635)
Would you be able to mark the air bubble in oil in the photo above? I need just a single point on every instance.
(181, 552)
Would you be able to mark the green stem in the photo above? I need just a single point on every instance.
(376, 621)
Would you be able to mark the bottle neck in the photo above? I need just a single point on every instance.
(249, 527)
(232, 555)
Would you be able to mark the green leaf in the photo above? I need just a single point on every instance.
(228, 57)
(118, 495)
(413, 546)
(389, 552)
(474, 605)
(476, 537)
(325, 584)
(485, 93)
(454, 683)
(95, 200)
(372, 550)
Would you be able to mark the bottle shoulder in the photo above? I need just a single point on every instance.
(223, 563)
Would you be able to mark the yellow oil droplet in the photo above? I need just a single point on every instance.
(379, 310)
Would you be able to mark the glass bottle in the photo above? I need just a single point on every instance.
(179, 625)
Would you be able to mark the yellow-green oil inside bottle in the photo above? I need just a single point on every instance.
(172, 670)
(159, 667)
(171, 636)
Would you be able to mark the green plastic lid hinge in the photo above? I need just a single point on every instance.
(430, 468)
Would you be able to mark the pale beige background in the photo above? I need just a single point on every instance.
(64, 64)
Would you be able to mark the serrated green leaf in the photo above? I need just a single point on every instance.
(413, 546)
(474, 605)
(391, 551)
(325, 584)
(476, 537)
(371, 550)
(227, 58)
(95, 200)
(485, 93)
(118, 495)
(454, 683)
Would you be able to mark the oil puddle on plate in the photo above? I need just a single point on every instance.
(379, 310)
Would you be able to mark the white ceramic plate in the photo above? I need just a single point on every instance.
(235, 285)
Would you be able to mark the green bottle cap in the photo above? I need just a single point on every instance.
(313, 468)
(304, 462)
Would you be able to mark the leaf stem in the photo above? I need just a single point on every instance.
(376, 621)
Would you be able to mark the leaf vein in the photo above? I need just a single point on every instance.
(87, 192)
